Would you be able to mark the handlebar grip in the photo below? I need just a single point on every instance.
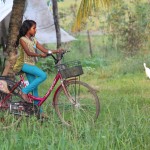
(61, 56)
(49, 55)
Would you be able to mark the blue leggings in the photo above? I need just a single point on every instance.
(35, 76)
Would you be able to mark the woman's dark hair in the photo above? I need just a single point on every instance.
(27, 24)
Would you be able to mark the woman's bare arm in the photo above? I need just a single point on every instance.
(44, 50)
(24, 46)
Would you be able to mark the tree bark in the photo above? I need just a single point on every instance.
(56, 22)
(14, 25)
(90, 44)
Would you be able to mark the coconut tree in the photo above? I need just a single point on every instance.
(56, 22)
(85, 10)
(14, 25)
(16, 19)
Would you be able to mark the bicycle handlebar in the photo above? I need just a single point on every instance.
(56, 60)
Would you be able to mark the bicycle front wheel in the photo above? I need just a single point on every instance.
(9, 119)
(83, 106)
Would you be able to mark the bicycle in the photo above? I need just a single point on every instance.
(73, 99)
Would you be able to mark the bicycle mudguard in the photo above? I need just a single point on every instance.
(4, 86)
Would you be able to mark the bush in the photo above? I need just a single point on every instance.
(47, 65)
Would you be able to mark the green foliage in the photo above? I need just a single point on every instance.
(122, 88)
(60, 0)
(129, 26)
(67, 14)
(46, 65)
(142, 16)
(94, 62)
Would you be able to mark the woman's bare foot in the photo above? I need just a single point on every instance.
(25, 97)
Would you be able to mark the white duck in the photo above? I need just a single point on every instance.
(147, 71)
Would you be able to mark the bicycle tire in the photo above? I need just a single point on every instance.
(87, 107)
(8, 120)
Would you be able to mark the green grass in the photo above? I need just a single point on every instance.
(124, 92)
(125, 105)
(122, 124)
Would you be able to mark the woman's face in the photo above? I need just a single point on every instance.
(32, 30)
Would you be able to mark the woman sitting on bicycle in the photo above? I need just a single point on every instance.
(27, 43)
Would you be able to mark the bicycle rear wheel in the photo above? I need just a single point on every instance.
(86, 107)
(7, 119)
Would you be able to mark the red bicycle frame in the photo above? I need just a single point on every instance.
(42, 99)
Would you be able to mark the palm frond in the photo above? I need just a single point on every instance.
(85, 9)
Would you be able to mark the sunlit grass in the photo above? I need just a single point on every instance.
(122, 124)
(124, 92)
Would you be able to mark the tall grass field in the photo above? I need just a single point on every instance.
(124, 93)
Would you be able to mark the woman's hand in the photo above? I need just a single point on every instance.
(60, 50)
(43, 55)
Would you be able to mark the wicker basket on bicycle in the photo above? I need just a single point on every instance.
(70, 69)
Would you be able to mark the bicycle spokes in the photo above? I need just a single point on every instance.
(85, 108)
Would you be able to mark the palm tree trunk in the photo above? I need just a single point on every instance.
(56, 22)
(57, 27)
(14, 25)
